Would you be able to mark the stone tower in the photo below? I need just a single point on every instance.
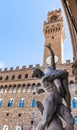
(54, 33)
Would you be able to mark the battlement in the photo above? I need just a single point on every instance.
(19, 69)
(54, 11)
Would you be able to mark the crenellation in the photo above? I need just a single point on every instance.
(30, 66)
(68, 61)
(17, 68)
(11, 69)
(37, 65)
(24, 67)
(55, 10)
(5, 69)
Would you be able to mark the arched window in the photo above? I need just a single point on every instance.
(74, 103)
(23, 88)
(17, 128)
(75, 120)
(33, 87)
(13, 77)
(22, 102)
(1, 102)
(26, 75)
(14, 89)
(7, 77)
(71, 82)
(28, 88)
(1, 89)
(19, 76)
(5, 127)
(34, 103)
(1, 77)
(10, 102)
(19, 88)
(5, 88)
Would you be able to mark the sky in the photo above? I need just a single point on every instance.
(21, 32)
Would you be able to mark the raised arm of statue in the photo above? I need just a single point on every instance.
(52, 56)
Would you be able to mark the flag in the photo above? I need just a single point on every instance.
(22, 127)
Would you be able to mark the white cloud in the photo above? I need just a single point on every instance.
(1, 64)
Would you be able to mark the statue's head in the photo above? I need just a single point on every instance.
(38, 73)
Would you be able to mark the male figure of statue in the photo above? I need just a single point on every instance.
(55, 83)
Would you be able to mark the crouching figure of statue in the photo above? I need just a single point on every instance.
(55, 84)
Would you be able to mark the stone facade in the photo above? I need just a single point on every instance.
(19, 85)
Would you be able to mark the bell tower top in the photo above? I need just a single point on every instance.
(54, 33)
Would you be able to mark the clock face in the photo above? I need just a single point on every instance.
(48, 60)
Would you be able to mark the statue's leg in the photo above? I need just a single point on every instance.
(64, 112)
(50, 105)
(55, 124)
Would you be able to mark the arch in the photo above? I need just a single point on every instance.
(13, 77)
(1, 89)
(71, 82)
(26, 76)
(19, 88)
(11, 102)
(33, 87)
(28, 87)
(5, 127)
(1, 77)
(17, 128)
(1, 102)
(5, 88)
(34, 103)
(54, 18)
(19, 76)
(75, 120)
(7, 77)
(22, 102)
(10, 88)
(14, 88)
(23, 88)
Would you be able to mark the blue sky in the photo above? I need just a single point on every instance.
(21, 32)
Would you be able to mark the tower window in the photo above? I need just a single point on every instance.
(54, 18)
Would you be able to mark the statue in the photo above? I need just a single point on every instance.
(55, 83)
